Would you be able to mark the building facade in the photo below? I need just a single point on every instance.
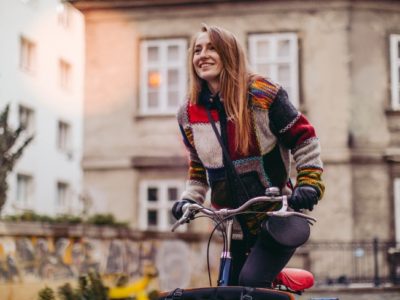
(339, 60)
(41, 78)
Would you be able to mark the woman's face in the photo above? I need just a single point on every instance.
(206, 61)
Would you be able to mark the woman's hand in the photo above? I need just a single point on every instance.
(304, 197)
(178, 206)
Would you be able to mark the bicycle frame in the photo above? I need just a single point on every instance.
(226, 257)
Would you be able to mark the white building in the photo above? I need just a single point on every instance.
(41, 77)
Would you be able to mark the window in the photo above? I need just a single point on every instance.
(26, 119)
(65, 74)
(64, 14)
(63, 195)
(276, 56)
(395, 70)
(156, 199)
(163, 75)
(397, 208)
(24, 190)
(27, 54)
(64, 136)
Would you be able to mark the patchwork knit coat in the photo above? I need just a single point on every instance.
(278, 130)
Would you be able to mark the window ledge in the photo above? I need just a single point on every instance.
(142, 115)
(393, 111)
(143, 162)
(393, 116)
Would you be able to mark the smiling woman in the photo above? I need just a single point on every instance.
(239, 129)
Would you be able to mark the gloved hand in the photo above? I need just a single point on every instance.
(177, 207)
(304, 196)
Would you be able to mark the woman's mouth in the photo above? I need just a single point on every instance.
(204, 65)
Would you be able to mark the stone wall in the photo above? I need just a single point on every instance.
(35, 255)
(31, 252)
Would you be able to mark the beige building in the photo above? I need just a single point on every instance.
(339, 60)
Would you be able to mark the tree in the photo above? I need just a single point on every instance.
(12, 145)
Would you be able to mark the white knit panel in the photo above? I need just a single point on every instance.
(207, 146)
(265, 137)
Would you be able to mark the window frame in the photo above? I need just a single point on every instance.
(396, 193)
(292, 59)
(395, 70)
(64, 140)
(26, 118)
(64, 15)
(163, 65)
(27, 58)
(28, 190)
(64, 203)
(163, 206)
(65, 73)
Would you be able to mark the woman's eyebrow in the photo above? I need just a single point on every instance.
(201, 45)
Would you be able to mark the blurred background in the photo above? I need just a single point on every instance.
(92, 158)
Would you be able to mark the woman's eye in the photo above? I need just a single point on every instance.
(197, 51)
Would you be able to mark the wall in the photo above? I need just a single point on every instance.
(36, 252)
(40, 90)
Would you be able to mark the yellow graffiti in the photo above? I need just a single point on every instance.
(67, 255)
(50, 245)
(137, 289)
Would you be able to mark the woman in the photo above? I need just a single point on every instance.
(259, 127)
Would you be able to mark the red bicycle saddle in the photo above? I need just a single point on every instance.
(294, 279)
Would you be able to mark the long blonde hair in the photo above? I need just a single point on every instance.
(234, 79)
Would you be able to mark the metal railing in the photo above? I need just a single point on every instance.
(371, 262)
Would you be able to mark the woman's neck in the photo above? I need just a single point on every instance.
(213, 87)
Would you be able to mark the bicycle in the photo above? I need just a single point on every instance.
(289, 282)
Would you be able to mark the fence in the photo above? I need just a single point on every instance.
(365, 262)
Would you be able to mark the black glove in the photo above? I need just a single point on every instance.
(304, 196)
(177, 208)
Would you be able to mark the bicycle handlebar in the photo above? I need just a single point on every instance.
(191, 209)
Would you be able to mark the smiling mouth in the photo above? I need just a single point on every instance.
(205, 65)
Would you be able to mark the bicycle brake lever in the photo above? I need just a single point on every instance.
(187, 216)
(183, 219)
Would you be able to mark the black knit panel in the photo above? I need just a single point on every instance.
(281, 112)
(275, 168)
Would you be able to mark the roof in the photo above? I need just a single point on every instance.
(118, 4)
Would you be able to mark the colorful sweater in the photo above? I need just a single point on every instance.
(278, 129)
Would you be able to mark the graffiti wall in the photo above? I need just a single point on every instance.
(179, 264)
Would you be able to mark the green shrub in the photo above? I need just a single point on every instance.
(105, 219)
(97, 219)
(90, 287)
(46, 294)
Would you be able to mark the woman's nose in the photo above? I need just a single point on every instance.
(204, 53)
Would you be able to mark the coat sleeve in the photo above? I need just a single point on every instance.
(296, 133)
(196, 185)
